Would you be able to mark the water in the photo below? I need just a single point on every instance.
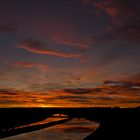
(75, 129)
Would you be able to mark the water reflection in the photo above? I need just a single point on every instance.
(47, 120)
(75, 129)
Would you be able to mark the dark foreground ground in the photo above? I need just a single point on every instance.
(115, 123)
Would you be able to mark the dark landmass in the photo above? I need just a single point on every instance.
(115, 123)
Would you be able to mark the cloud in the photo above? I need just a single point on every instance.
(7, 29)
(86, 1)
(125, 21)
(6, 92)
(70, 98)
(82, 90)
(135, 79)
(129, 32)
(79, 90)
(137, 101)
(70, 42)
(28, 64)
(126, 83)
(105, 96)
(64, 32)
(114, 8)
(117, 83)
(37, 47)
(24, 64)
(42, 68)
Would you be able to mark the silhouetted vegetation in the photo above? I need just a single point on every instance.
(116, 124)
(14, 117)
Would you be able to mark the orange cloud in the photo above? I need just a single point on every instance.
(101, 96)
(27, 64)
(36, 47)
(24, 64)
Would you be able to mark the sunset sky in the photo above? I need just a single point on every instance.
(69, 53)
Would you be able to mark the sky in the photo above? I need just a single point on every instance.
(69, 53)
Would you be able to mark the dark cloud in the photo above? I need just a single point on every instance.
(72, 97)
(109, 98)
(125, 20)
(137, 101)
(134, 79)
(128, 32)
(7, 29)
(131, 83)
(7, 91)
(82, 90)
(75, 98)
(115, 8)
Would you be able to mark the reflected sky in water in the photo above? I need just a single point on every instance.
(75, 129)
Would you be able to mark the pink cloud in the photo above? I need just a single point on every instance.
(28, 64)
(71, 42)
(114, 8)
(37, 47)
